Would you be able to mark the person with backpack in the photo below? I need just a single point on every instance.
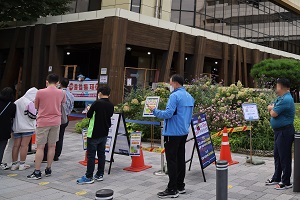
(7, 114)
(100, 114)
(23, 128)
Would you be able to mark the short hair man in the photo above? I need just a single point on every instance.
(177, 116)
(48, 102)
(68, 106)
(282, 121)
(100, 114)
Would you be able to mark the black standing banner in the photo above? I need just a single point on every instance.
(203, 141)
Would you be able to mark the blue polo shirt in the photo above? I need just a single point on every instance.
(285, 108)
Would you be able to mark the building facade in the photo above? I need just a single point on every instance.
(147, 42)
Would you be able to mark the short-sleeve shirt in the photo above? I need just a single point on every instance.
(48, 103)
(285, 108)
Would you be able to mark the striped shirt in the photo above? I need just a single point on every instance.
(69, 105)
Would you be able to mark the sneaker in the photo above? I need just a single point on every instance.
(4, 166)
(281, 186)
(98, 178)
(181, 191)
(14, 166)
(84, 180)
(56, 159)
(35, 176)
(48, 172)
(168, 194)
(271, 182)
(23, 167)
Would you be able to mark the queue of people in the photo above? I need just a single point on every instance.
(39, 112)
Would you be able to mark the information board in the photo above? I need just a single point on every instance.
(122, 143)
(204, 144)
(250, 111)
(84, 90)
(153, 101)
(135, 143)
(189, 146)
(111, 136)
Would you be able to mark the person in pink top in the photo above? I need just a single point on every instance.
(48, 102)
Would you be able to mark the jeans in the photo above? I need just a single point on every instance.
(93, 146)
(283, 154)
(59, 143)
(175, 156)
(3, 144)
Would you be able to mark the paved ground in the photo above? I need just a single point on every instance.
(245, 181)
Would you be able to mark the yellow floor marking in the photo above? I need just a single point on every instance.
(80, 193)
(43, 183)
(229, 186)
(12, 175)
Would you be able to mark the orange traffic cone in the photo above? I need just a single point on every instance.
(137, 163)
(33, 138)
(225, 153)
(84, 162)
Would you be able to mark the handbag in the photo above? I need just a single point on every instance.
(64, 117)
(5, 108)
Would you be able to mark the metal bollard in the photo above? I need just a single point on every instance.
(296, 187)
(222, 180)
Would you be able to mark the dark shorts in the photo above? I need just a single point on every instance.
(25, 134)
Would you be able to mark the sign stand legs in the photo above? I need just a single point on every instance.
(152, 135)
(110, 163)
(192, 158)
(161, 172)
(250, 143)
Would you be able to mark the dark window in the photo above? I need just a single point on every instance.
(82, 6)
(94, 5)
(187, 18)
(176, 4)
(175, 15)
(183, 12)
(136, 6)
(188, 5)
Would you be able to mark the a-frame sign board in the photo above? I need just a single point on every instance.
(199, 137)
(117, 139)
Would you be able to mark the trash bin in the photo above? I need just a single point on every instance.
(296, 187)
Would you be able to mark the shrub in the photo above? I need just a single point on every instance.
(267, 71)
(82, 124)
(222, 105)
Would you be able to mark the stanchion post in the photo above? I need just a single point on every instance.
(161, 172)
(222, 180)
(296, 187)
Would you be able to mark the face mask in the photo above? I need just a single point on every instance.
(171, 88)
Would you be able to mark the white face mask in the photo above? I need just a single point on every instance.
(171, 88)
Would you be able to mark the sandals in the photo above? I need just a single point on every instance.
(281, 186)
(271, 182)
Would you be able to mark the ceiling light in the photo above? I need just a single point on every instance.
(149, 53)
(68, 53)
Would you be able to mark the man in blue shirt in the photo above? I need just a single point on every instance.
(177, 120)
(282, 119)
